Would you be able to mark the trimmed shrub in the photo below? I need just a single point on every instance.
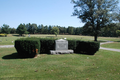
(83, 47)
(27, 47)
(72, 44)
(47, 44)
(87, 47)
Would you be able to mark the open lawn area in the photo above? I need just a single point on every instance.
(104, 65)
(115, 45)
(9, 40)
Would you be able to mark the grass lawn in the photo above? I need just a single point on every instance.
(104, 65)
(9, 40)
(115, 45)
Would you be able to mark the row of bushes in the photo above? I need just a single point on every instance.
(28, 46)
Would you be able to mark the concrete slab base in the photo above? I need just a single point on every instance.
(61, 51)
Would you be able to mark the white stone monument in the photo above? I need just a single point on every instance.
(61, 47)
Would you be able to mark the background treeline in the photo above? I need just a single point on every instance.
(108, 31)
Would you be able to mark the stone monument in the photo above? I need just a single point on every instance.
(61, 47)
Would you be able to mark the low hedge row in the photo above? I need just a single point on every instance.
(84, 47)
(87, 47)
(47, 44)
(27, 47)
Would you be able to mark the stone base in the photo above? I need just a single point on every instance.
(61, 51)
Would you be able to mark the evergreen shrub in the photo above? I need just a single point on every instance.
(27, 47)
(47, 44)
(83, 47)
(87, 47)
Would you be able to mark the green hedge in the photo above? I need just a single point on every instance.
(26, 47)
(86, 47)
(83, 47)
(47, 44)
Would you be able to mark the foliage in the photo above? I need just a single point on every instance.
(70, 30)
(13, 31)
(5, 29)
(55, 30)
(26, 47)
(32, 28)
(78, 46)
(87, 47)
(47, 44)
(84, 47)
(110, 30)
(95, 13)
(21, 29)
(118, 32)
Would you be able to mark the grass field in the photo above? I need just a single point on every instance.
(9, 40)
(104, 65)
(115, 45)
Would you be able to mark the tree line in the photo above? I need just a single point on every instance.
(108, 31)
(40, 29)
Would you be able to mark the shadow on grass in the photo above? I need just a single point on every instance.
(14, 56)
(11, 56)
(86, 53)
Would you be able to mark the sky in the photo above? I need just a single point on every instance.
(46, 12)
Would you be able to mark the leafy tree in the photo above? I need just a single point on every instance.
(27, 26)
(118, 32)
(70, 30)
(32, 28)
(13, 31)
(39, 29)
(42, 29)
(5, 29)
(46, 29)
(0, 29)
(78, 30)
(55, 30)
(21, 29)
(49, 29)
(98, 13)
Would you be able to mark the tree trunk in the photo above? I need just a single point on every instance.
(95, 37)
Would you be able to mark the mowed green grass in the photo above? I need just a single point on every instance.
(115, 45)
(104, 65)
(9, 40)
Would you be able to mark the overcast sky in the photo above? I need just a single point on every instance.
(46, 12)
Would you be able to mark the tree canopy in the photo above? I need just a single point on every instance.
(22, 29)
(95, 13)
(55, 30)
(5, 29)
